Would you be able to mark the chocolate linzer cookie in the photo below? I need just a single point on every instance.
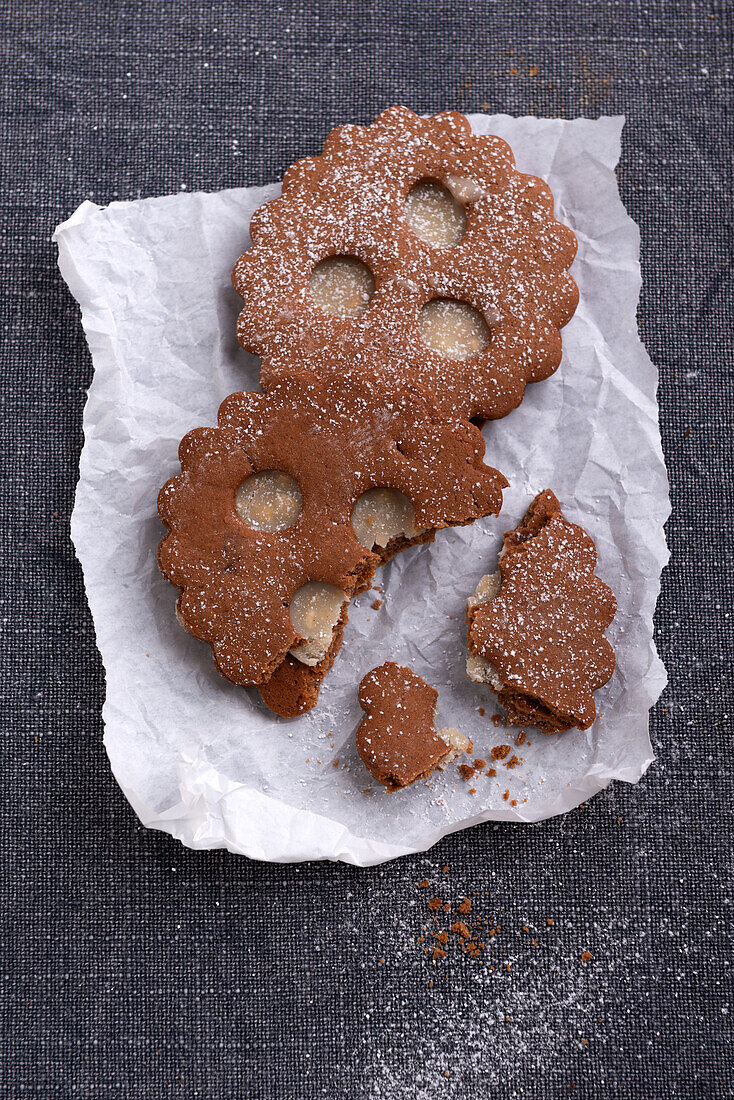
(284, 510)
(397, 739)
(536, 628)
(413, 249)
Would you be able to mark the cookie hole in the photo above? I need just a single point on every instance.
(381, 515)
(435, 215)
(342, 286)
(453, 329)
(269, 501)
(315, 610)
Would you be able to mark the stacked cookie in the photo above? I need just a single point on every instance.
(407, 280)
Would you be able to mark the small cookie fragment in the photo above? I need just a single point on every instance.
(536, 628)
(397, 740)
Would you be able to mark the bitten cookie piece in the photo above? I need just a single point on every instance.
(283, 512)
(415, 248)
(397, 740)
(536, 627)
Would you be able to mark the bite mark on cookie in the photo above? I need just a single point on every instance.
(239, 565)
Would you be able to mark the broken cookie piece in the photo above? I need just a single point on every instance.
(283, 512)
(397, 740)
(536, 627)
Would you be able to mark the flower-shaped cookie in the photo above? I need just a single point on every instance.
(261, 516)
(536, 629)
(397, 739)
(510, 265)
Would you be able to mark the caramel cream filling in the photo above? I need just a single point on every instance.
(479, 668)
(435, 215)
(380, 515)
(342, 286)
(457, 743)
(269, 501)
(315, 610)
(453, 329)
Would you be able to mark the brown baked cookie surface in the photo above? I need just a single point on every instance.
(294, 687)
(536, 628)
(397, 739)
(425, 214)
(264, 517)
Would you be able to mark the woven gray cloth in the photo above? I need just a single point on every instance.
(134, 968)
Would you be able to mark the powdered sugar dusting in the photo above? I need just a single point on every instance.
(542, 630)
(336, 440)
(510, 265)
(540, 989)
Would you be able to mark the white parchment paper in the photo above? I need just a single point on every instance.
(203, 759)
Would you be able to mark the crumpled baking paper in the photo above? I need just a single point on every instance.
(203, 759)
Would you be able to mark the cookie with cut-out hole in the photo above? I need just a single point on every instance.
(414, 249)
(536, 627)
(397, 739)
(294, 687)
(261, 542)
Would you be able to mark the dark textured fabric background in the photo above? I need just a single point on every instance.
(136, 969)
